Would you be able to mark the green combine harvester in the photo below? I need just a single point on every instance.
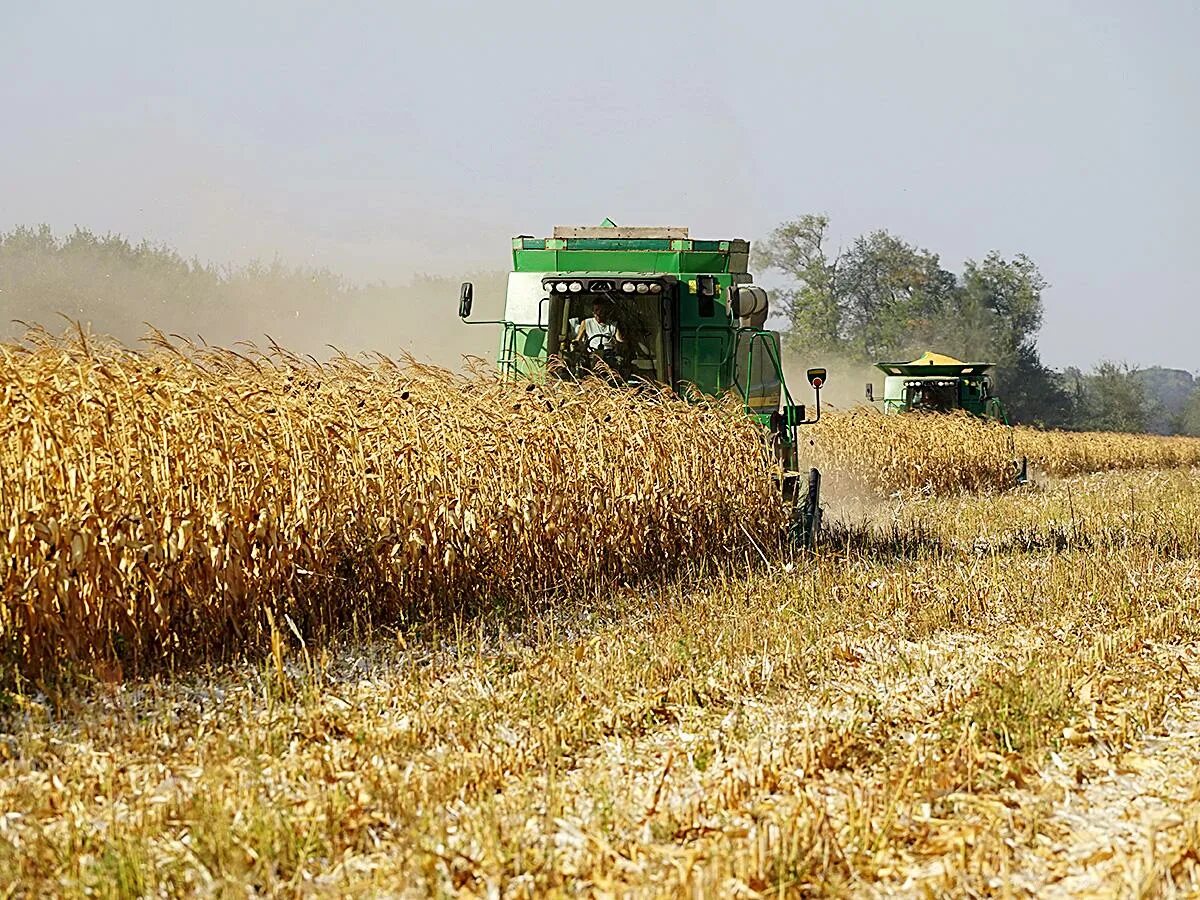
(941, 384)
(653, 306)
(937, 383)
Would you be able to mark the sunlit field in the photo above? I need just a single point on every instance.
(631, 687)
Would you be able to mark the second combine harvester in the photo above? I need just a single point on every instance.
(653, 305)
(934, 383)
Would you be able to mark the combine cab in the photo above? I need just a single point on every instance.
(937, 383)
(652, 305)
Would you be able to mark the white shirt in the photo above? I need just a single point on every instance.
(593, 327)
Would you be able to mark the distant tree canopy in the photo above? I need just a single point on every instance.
(118, 287)
(1168, 392)
(1111, 398)
(1189, 420)
(1118, 397)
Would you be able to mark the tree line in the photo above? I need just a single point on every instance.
(883, 298)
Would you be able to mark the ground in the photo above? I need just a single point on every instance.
(992, 695)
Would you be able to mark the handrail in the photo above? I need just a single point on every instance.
(506, 361)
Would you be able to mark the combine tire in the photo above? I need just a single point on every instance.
(805, 520)
(1022, 467)
(806, 517)
(812, 508)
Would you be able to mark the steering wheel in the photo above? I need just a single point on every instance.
(598, 343)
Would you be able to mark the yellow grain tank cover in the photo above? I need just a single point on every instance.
(929, 358)
(933, 365)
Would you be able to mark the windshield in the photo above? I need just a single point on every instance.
(931, 394)
(599, 332)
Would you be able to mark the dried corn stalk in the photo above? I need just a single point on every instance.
(158, 504)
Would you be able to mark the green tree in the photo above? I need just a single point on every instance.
(998, 316)
(1009, 295)
(810, 303)
(1189, 420)
(1114, 399)
(1035, 394)
(893, 296)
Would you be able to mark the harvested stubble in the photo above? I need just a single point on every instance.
(942, 454)
(177, 502)
(947, 723)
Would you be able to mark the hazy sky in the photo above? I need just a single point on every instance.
(390, 138)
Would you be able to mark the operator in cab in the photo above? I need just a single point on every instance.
(598, 331)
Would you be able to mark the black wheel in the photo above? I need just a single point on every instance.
(812, 509)
(1022, 467)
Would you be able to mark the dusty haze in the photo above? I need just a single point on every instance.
(113, 287)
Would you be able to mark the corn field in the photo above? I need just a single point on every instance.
(996, 693)
(162, 504)
(185, 500)
(953, 453)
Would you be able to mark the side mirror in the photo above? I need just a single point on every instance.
(466, 297)
(816, 377)
(870, 392)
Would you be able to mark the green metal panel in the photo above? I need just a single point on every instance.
(661, 262)
(522, 351)
(525, 242)
(706, 345)
(623, 258)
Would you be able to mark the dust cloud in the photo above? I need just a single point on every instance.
(118, 288)
(846, 384)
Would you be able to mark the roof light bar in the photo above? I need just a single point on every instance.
(560, 285)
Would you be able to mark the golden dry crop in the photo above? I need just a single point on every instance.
(914, 453)
(177, 502)
(1066, 453)
(949, 453)
(993, 693)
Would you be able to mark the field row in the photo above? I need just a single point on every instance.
(902, 712)
(945, 454)
(184, 501)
